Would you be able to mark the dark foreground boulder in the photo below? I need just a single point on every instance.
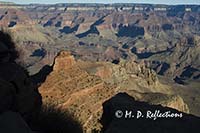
(12, 122)
(17, 92)
(122, 114)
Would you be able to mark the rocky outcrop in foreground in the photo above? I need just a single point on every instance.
(12, 122)
(123, 114)
(81, 87)
(17, 92)
(20, 101)
(19, 98)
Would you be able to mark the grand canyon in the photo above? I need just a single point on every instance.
(83, 62)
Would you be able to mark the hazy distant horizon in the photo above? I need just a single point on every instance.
(167, 2)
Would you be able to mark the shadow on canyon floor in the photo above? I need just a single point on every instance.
(40, 77)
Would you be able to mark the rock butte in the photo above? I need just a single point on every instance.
(82, 87)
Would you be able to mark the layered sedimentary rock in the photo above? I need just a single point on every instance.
(150, 32)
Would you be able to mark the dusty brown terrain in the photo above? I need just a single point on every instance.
(82, 87)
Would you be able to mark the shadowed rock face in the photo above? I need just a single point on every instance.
(12, 122)
(7, 51)
(12, 24)
(68, 30)
(146, 124)
(17, 91)
(20, 100)
(130, 31)
(167, 27)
